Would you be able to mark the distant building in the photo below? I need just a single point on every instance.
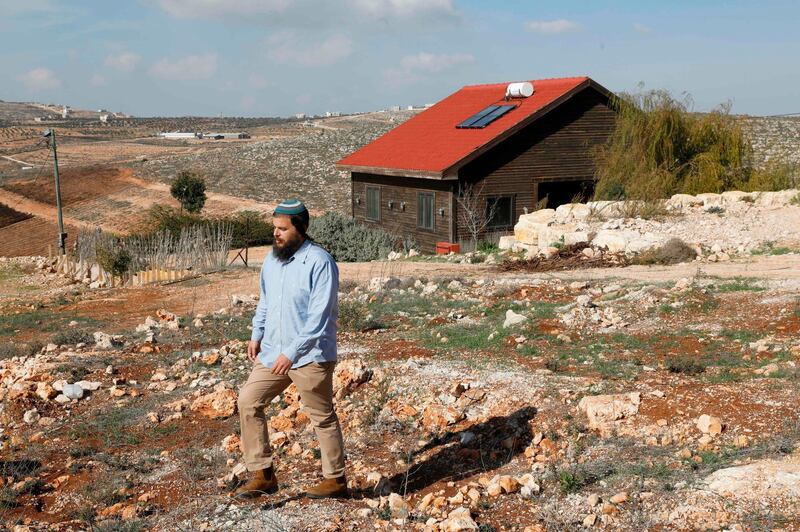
(180, 135)
(65, 112)
(394, 108)
(104, 118)
(329, 114)
(219, 136)
(300, 116)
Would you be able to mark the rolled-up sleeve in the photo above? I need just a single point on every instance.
(260, 317)
(322, 308)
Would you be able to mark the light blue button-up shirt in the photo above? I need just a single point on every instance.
(296, 315)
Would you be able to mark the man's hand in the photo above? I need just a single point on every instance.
(253, 348)
(282, 366)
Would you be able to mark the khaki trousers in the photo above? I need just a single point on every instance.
(315, 383)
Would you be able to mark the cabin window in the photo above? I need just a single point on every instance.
(500, 212)
(373, 203)
(425, 210)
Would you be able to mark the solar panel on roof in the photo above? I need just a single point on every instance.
(485, 117)
(477, 116)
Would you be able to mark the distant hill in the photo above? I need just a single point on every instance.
(28, 111)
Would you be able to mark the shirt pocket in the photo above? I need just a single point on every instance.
(298, 292)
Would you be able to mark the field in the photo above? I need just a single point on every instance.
(282, 158)
(111, 174)
(474, 393)
(460, 404)
(9, 216)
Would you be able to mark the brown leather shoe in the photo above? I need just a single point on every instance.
(263, 482)
(329, 487)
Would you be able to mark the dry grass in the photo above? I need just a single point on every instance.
(674, 251)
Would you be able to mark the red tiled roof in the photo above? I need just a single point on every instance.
(429, 143)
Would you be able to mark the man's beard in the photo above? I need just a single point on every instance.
(287, 250)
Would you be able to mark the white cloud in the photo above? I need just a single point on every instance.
(413, 67)
(641, 28)
(257, 81)
(434, 62)
(217, 8)
(22, 7)
(40, 79)
(287, 48)
(98, 80)
(552, 26)
(38, 13)
(125, 61)
(297, 13)
(404, 8)
(187, 68)
(247, 103)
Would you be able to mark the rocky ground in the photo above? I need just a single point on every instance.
(716, 226)
(476, 400)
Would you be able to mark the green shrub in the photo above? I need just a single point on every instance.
(72, 337)
(349, 241)
(189, 188)
(575, 478)
(487, 247)
(249, 228)
(352, 315)
(659, 147)
(10, 350)
(355, 316)
(686, 366)
(774, 176)
(164, 218)
(116, 260)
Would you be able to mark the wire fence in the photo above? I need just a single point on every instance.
(108, 259)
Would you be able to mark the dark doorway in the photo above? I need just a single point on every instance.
(553, 194)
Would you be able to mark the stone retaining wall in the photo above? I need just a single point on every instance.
(605, 225)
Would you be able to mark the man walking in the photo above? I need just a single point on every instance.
(293, 341)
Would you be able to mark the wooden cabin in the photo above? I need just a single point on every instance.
(515, 153)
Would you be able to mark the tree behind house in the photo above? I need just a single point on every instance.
(474, 214)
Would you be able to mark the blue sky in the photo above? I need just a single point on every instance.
(280, 57)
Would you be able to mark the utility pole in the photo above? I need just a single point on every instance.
(62, 236)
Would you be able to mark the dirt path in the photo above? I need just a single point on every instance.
(773, 267)
(209, 293)
(17, 160)
(213, 292)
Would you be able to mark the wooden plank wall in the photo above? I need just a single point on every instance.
(557, 147)
(404, 222)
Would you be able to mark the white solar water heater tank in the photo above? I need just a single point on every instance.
(521, 89)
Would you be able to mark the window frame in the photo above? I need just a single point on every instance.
(512, 201)
(421, 215)
(367, 214)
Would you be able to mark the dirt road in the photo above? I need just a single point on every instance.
(212, 292)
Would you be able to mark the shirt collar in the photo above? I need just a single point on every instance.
(302, 253)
